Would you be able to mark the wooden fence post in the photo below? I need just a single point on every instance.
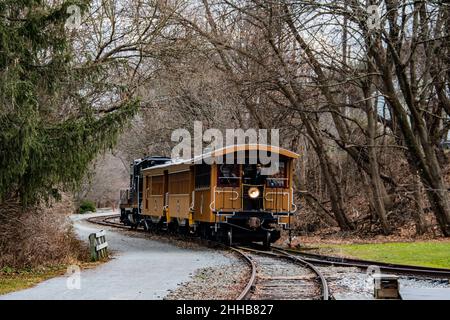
(98, 245)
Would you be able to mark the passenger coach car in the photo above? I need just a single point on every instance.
(231, 202)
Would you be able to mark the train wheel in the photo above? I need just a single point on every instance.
(266, 242)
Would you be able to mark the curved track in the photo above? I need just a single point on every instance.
(364, 264)
(108, 221)
(293, 282)
(246, 292)
(112, 221)
(307, 260)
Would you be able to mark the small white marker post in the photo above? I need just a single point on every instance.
(98, 245)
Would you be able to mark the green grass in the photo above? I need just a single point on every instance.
(14, 280)
(427, 254)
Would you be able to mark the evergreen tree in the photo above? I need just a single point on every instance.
(50, 129)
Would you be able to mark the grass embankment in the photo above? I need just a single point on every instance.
(14, 280)
(427, 254)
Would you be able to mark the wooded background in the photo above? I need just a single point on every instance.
(364, 97)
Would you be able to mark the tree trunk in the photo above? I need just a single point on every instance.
(329, 175)
(421, 154)
(375, 180)
(421, 227)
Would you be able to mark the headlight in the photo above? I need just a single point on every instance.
(253, 192)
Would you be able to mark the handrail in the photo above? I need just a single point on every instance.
(283, 193)
(293, 204)
(191, 207)
(229, 191)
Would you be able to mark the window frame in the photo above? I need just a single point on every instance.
(284, 178)
(204, 174)
(238, 177)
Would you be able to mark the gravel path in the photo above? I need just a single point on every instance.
(355, 283)
(223, 282)
(141, 268)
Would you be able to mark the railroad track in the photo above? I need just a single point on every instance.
(256, 280)
(246, 292)
(108, 221)
(253, 261)
(318, 259)
(112, 221)
(279, 275)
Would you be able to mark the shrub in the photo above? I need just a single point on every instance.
(38, 236)
(87, 206)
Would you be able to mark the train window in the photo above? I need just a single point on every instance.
(279, 179)
(228, 175)
(252, 174)
(202, 176)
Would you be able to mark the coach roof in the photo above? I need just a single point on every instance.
(226, 150)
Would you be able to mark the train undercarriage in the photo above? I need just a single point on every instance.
(239, 228)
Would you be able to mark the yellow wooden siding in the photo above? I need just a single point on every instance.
(156, 205)
(276, 199)
(283, 219)
(145, 193)
(202, 200)
(179, 205)
(227, 198)
(180, 183)
(179, 194)
(157, 185)
(153, 194)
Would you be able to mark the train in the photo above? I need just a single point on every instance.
(227, 201)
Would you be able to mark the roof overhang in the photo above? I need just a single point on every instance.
(227, 150)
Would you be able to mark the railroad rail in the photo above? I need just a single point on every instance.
(106, 221)
(279, 254)
(246, 291)
(308, 260)
(319, 259)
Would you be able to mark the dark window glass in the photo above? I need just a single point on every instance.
(252, 174)
(202, 176)
(228, 175)
(279, 179)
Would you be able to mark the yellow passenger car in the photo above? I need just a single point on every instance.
(231, 201)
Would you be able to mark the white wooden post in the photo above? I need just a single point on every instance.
(98, 245)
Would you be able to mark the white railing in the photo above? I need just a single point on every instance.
(98, 245)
